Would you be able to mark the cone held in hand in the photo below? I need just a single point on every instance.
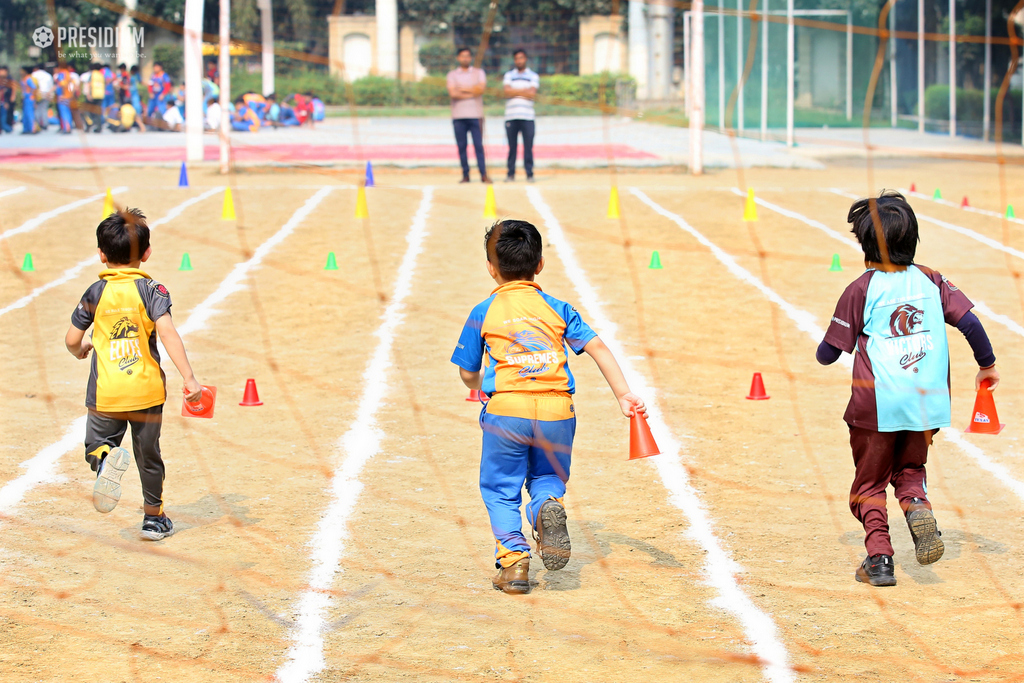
(477, 396)
(203, 407)
(984, 419)
(641, 441)
(251, 397)
(757, 392)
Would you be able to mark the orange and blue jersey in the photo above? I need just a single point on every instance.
(62, 85)
(29, 88)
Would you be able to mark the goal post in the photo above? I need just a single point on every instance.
(193, 66)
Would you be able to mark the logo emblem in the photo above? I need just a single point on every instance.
(42, 37)
(905, 320)
(532, 351)
(124, 328)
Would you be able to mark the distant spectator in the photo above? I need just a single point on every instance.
(466, 88)
(213, 115)
(317, 107)
(64, 93)
(134, 83)
(29, 90)
(244, 118)
(45, 95)
(172, 118)
(95, 92)
(159, 88)
(6, 100)
(120, 119)
(521, 85)
(109, 89)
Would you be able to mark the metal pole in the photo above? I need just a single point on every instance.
(739, 63)
(721, 67)
(920, 66)
(224, 70)
(987, 80)
(849, 66)
(697, 88)
(952, 68)
(790, 85)
(639, 59)
(764, 71)
(193, 80)
(687, 16)
(892, 67)
(267, 35)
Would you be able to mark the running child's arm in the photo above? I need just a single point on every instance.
(176, 350)
(77, 343)
(602, 355)
(974, 332)
(473, 380)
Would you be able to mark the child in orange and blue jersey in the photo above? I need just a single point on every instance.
(64, 87)
(513, 349)
(29, 91)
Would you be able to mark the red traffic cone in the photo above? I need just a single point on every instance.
(984, 419)
(251, 397)
(757, 389)
(203, 407)
(964, 203)
(641, 441)
(474, 396)
(913, 187)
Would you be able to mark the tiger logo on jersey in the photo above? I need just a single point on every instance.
(903, 323)
(532, 350)
(905, 320)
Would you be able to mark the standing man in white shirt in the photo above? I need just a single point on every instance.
(45, 95)
(521, 86)
(466, 86)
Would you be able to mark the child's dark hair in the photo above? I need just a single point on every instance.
(514, 248)
(123, 236)
(891, 218)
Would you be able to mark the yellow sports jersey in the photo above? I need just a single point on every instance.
(122, 308)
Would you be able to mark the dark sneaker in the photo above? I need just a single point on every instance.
(552, 536)
(106, 492)
(156, 528)
(529, 178)
(510, 179)
(465, 179)
(878, 570)
(514, 579)
(485, 179)
(927, 542)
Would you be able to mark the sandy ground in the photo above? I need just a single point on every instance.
(81, 597)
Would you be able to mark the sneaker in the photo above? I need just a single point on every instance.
(156, 527)
(465, 179)
(529, 178)
(552, 536)
(877, 570)
(106, 492)
(510, 179)
(486, 180)
(923, 529)
(514, 579)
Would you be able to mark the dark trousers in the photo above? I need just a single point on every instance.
(5, 125)
(512, 129)
(104, 431)
(880, 459)
(471, 126)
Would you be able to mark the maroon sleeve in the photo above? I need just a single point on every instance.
(848, 320)
(954, 302)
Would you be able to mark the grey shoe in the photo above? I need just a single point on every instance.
(928, 545)
(106, 492)
(552, 536)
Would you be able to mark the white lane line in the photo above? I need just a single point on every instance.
(361, 442)
(803, 219)
(76, 270)
(33, 223)
(42, 467)
(13, 190)
(975, 453)
(946, 202)
(720, 568)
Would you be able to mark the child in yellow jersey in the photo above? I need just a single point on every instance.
(513, 348)
(126, 310)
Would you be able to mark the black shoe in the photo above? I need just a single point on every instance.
(925, 532)
(552, 536)
(156, 528)
(510, 179)
(877, 570)
(529, 178)
(465, 179)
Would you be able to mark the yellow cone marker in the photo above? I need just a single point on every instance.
(228, 212)
(613, 203)
(361, 210)
(108, 204)
(490, 206)
(750, 208)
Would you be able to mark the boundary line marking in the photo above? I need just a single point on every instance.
(758, 626)
(76, 270)
(305, 657)
(33, 223)
(13, 190)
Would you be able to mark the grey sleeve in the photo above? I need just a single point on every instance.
(86, 310)
(155, 296)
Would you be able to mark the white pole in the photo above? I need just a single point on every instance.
(638, 40)
(721, 67)
(920, 66)
(849, 65)
(224, 69)
(987, 80)
(739, 63)
(952, 68)
(127, 49)
(193, 64)
(892, 67)
(697, 88)
(387, 37)
(267, 34)
(790, 85)
(686, 60)
(764, 71)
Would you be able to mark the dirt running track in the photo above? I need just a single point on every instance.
(81, 598)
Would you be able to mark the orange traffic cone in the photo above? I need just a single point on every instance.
(641, 441)
(984, 420)
(757, 389)
(964, 204)
(251, 397)
(203, 407)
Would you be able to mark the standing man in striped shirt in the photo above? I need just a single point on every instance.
(521, 85)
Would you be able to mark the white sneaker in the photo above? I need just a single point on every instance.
(106, 492)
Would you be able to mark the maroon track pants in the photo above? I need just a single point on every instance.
(880, 459)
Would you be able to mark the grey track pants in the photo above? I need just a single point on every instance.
(104, 431)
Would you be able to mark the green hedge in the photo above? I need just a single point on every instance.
(969, 103)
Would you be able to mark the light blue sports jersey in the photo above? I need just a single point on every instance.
(905, 329)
